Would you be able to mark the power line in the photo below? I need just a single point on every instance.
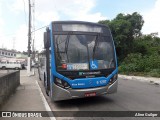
(40, 28)
(13, 34)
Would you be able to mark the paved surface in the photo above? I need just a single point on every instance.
(26, 98)
(132, 95)
(142, 79)
(3, 72)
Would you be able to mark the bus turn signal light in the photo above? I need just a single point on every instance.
(114, 78)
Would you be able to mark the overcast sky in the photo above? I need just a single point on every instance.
(14, 16)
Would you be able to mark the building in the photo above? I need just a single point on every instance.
(7, 53)
(4, 53)
(13, 55)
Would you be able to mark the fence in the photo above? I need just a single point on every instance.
(8, 84)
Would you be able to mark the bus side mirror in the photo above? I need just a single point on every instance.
(47, 38)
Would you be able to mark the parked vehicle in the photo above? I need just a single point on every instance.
(10, 64)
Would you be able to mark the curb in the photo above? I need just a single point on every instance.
(152, 80)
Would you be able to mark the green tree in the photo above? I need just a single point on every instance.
(124, 29)
(138, 54)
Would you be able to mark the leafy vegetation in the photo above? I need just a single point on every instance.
(138, 54)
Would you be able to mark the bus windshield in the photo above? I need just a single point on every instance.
(77, 52)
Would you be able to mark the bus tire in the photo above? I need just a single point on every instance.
(45, 85)
(39, 74)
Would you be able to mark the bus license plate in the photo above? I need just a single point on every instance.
(90, 94)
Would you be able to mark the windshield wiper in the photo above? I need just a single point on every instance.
(95, 46)
(66, 45)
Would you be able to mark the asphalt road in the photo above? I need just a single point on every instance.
(132, 95)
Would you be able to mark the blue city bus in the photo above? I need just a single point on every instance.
(79, 60)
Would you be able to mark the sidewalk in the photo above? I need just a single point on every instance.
(28, 97)
(142, 79)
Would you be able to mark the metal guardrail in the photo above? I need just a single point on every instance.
(8, 84)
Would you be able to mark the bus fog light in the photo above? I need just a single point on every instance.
(58, 81)
(66, 85)
(114, 78)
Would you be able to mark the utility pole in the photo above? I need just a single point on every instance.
(33, 33)
(29, 40)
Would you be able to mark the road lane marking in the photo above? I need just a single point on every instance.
(45, 103)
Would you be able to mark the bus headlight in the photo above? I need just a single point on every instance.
(61, 83)
(114, 78)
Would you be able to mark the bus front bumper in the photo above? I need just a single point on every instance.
(64, 94)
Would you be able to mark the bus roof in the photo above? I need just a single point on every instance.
(80, 26)
(78, 22)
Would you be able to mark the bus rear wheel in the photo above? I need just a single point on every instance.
(45, 85)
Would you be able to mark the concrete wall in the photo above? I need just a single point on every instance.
(8, 84)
